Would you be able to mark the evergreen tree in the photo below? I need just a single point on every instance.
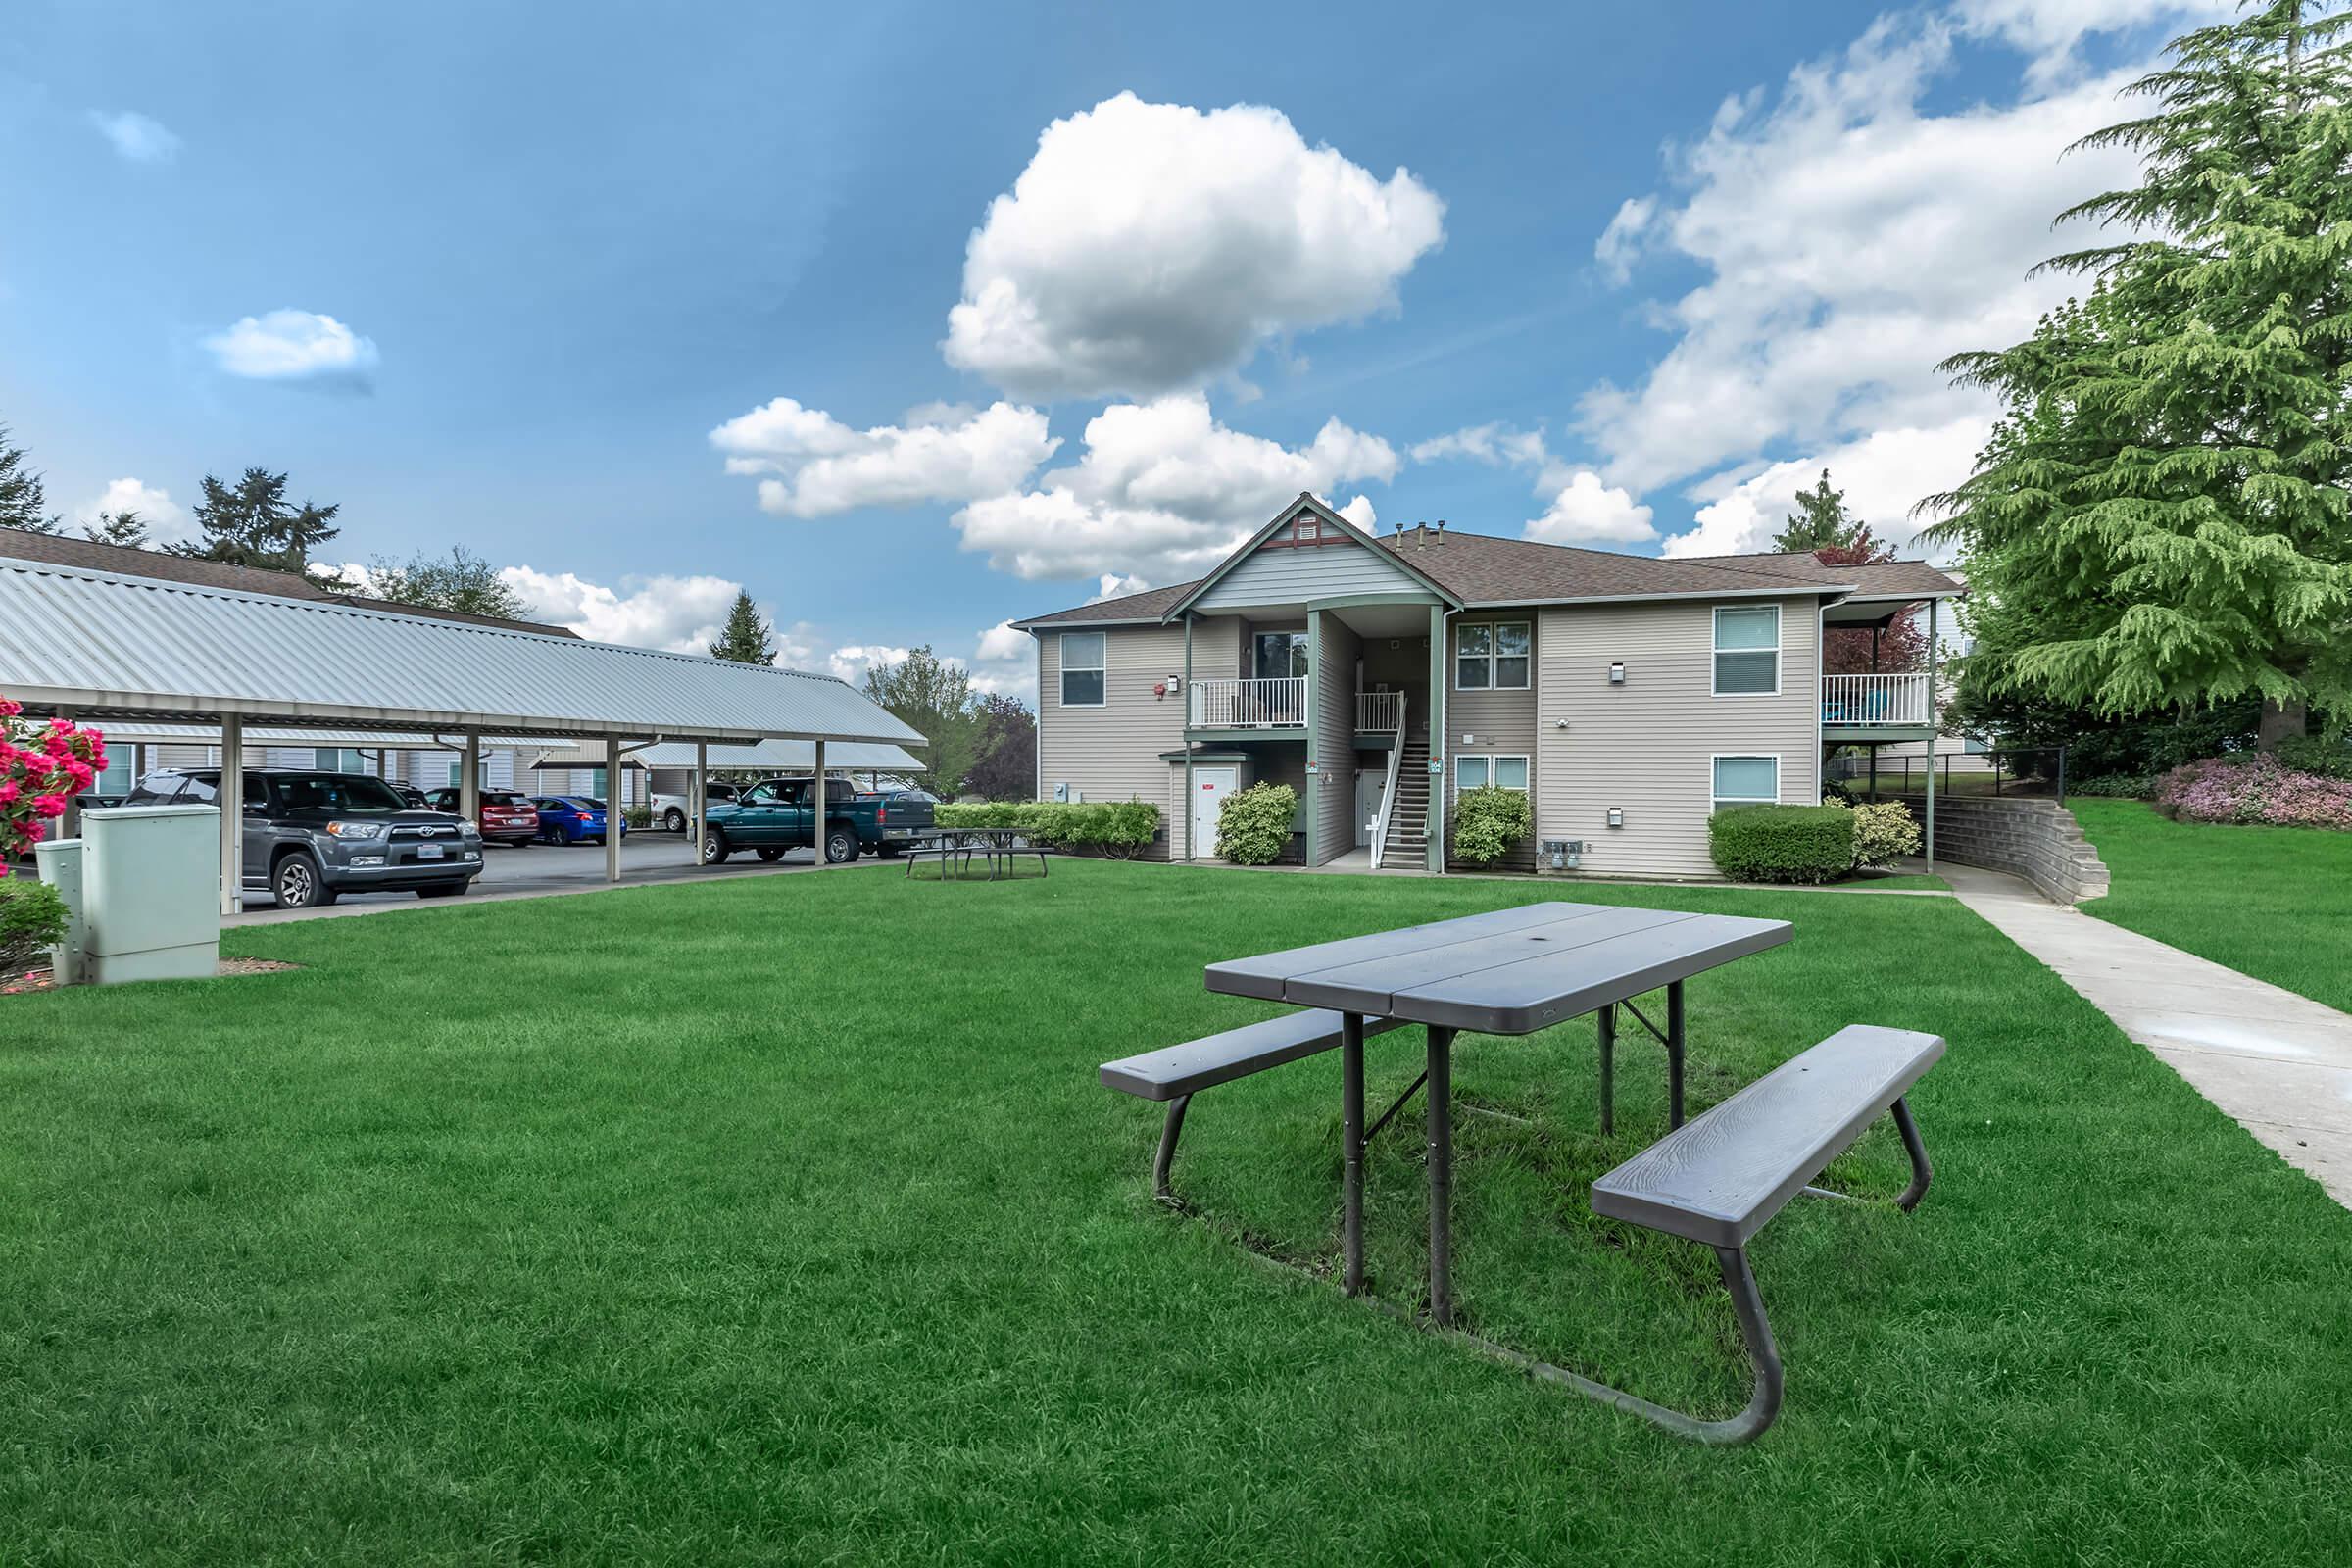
(747, 638)
(125, 528)
(1821, 521)
(23, 497)
(2162, 518)
(935, 698)
(461, 580)
(1005, 767)
(253, 524)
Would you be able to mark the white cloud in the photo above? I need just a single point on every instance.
(1851, 240)
(1005, 664)
(1150, 248)
(1585, 510)
(1359, 510)
(2051, 30)
(853, 661)
(1162, 491)
(681, 615)
(168, 522)
(293, 346)
(1498, 444)
(814, 466)
(1880, 474)
(136, 138)
(1111, 585)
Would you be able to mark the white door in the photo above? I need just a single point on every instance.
(1370, 785)
(1210, 786)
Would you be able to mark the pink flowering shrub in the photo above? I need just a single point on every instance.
(2256, 789)
(42, 770)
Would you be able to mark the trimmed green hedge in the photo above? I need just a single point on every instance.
(1119, 828)
(1253, 825)
(33, 920)
(1488, 822)
(1783, 843)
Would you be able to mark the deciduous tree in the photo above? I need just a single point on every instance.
(1006, 767)
(935, 698)
(459, 580)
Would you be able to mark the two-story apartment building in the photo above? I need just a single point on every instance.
(1630, 696)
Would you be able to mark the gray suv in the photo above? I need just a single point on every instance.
(311, 836)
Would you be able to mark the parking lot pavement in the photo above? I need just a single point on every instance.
(539, 870)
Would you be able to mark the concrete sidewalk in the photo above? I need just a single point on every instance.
(2278, 1062)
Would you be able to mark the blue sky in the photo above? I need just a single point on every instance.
(533, 279)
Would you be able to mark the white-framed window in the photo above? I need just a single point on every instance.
(1747, 650)
(1477, 772)
(1308, 530)
(1082, 669)
(1495, 657)
(337, 759)
(1746, 781)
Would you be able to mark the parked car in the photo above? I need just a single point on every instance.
(776, 815)
(504, 816)
(672, 811)
(309, 838)
(410, 793)
(573, 819)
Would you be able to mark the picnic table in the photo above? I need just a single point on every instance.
(954, 846)
(1502, 972)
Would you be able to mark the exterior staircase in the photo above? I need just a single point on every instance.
(1407, 847)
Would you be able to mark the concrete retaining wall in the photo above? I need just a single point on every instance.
(2035, 839)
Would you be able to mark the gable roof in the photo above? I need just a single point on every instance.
(161, 565)
(1305, 504)
(1476, 569)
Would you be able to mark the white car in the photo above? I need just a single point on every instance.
(670, 812)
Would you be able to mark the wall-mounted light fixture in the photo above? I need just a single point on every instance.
(1175, 684)
(1616, 817)
(1559, 723)
(1617, 675)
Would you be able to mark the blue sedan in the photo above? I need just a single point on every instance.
(572, 818)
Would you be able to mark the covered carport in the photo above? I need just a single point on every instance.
(95, 645)
(768, 758)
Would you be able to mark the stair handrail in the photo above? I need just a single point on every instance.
(1388, 793)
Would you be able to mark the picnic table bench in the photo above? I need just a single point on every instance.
(1716, 1180)
(955, 845)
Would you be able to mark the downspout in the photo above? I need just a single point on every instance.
(1192, 851)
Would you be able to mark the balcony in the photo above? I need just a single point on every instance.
(1877, 702)
(1278, 704)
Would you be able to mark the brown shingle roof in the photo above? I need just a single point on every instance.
(87, 555)
(1484, 569)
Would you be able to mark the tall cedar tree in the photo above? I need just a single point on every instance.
(935, 698)
(1820, 522)
(747, 638)
(2161, 518)
(1006, 767)
(23, 497)
(459, 580)
(125, 528)
(253, 524)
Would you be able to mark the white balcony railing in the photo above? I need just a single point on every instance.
(1275, 703)
(1852, 700)
(1377, 712)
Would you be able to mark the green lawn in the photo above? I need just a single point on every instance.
(2272, 901)
(782, 1220)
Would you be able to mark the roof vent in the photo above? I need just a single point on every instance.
(1440, 530)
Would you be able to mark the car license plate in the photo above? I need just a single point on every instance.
(429, 851)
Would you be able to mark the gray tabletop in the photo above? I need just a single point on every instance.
(1504, 972)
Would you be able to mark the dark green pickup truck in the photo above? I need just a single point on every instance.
(774, 815)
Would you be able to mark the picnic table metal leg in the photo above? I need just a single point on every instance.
(1351, 1151)
(1607, 1025)
(1921, 1171)
(1162, 1163)
(1439, 1114)
(1675, 1024)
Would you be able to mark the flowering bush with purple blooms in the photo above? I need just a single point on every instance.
(2256, 789)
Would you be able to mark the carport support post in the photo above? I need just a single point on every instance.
(1930, 812)
(469, 783)
(816, 807)
(232, 800)
(614, 814)
(702, 793)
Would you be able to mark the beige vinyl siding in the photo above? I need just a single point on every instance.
(1496, 723)
(1220, 646)
(1332, 788)
(1293, 575)
(1112, 753)
(1648, 745)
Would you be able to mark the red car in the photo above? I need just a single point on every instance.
(505, 817)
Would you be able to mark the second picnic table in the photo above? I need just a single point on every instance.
(1503, 972)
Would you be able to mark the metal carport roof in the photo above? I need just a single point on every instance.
(849, 757)
(102, 645)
